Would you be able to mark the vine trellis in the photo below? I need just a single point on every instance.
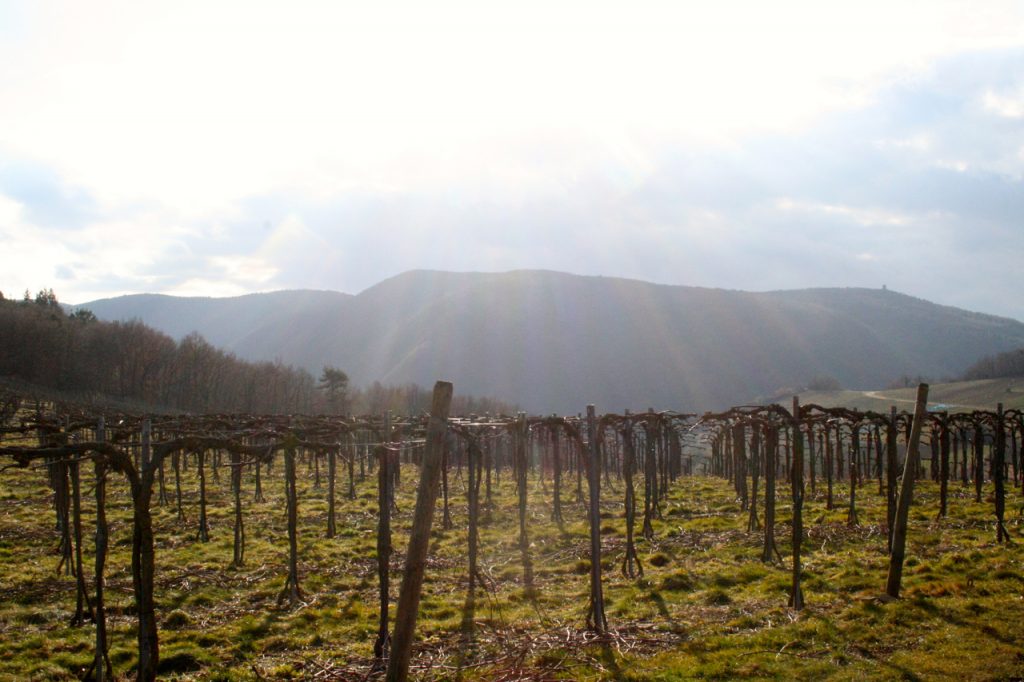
(619, 457)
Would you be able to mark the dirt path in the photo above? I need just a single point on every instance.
(877, 395)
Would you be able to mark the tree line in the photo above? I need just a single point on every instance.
(41, 343)
(1008, 364)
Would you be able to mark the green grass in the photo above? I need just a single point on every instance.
(706, 606)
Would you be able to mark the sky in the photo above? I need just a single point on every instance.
(220, 148)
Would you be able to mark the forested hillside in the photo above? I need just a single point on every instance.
(546, 340)
(127, 361)
(1008, 364)
(130, 361)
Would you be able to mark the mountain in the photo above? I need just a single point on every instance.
(554, 342)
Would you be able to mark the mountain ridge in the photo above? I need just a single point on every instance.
(554, 341)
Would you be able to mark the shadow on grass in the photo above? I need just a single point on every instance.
(467, 629)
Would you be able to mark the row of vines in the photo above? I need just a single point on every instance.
(628, 462)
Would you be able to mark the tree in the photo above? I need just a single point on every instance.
(334, 384)
(83, 315)
(46, 298)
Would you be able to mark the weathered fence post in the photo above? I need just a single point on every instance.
(899, 534)
(943, 464)
(238, 558)
(771, 458)
(332, 472)
(204, 527)
(891, 474)
(380, 646)
(101, 664)
(998, 474)
(291, 590)
(796, 597)
(599, 622)
(522, 460)
(419, 539)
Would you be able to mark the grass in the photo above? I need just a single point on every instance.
(706, 606)
(953, 396)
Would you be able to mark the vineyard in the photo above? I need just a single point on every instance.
(763, 541)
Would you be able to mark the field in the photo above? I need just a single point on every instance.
(954, 396)
(706, 605)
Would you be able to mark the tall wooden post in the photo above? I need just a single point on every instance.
(332, 472)
(998, 474)
(771, 458)
(650, 475)
(522, 461)
(828, 467)
(599, 622)
(943, 464)
(291, 591)
(419, 540)
(101, 663)
(796, 597)
(204, 527)
(380, 646)
(899, 534)
(851, 514)
(892, 472)
(754, 462)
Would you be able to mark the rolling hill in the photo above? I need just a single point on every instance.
(954, 396)
(553, 341)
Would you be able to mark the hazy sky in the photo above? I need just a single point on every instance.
(217, 148)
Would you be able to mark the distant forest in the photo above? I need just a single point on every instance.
(41, 344)
(1008, 364)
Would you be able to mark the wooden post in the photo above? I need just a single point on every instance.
(892, 471)
(522, 460)
(238, 558)
(771, 458)
(380, 646)
(740, 455)
(998, 475)
(556, 454)
(810, 457)
(101, 663)
(143, 573)
(144, 561)
(754, 463)
(628, 467)
(828, 467)
(474, 467)
(650, 480)
(899, 534)
(419, 540)
(943, 464)
(599, 622)
(979, 460)
(351, 454)
(446, 517)
(83, 608)
(851, 514)
(332, 471)
(291, 590)
(204, 526)
(796, 597)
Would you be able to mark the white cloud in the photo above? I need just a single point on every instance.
(1005, 105)
(865, 216)
(919, 143)
(32, 259)
(195, 105)
(208, 287)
